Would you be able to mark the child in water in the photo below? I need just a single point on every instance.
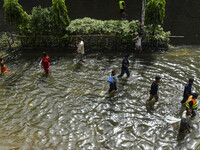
(3, 67)
(113, 82)
(138, 42)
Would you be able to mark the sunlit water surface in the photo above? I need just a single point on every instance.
(71, 109)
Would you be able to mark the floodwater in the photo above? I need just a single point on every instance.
(72, 111)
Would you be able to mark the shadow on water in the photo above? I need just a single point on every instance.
(43, 78)
(150, 106)
(146, 59)
(77, 66)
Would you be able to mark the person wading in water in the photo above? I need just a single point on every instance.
(45, 62)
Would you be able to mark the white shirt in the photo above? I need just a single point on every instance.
(139, 41)
(80, 48)
(185, 118)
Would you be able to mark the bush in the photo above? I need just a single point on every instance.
(38, 24)
(7, 41)
(160, 37)
(123, 29)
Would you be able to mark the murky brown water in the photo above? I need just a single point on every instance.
(72, 111)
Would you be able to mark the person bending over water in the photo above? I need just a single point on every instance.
(113, 82)
(185, 121)
(154, 89)
(45, 62)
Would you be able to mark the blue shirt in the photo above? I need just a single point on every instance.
(111, 79)
(125, 63)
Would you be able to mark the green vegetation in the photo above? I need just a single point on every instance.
(7, 42)
(42, 21)
(155, 13)
(159, 39)
(14, 12)
(38, 24)
(59, 15)
(51, 26)
(125, 30)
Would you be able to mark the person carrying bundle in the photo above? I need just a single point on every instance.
(113, 82)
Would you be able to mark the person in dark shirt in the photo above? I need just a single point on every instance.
(113, 82)
(187, 90)
(125, 65)
(154, 89)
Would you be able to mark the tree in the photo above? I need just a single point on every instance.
(155, 13)
(59, 14)
(14, 12)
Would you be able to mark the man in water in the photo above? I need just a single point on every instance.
(122, 7)
(125, 65)
(185, 121)
(154, 89)
(80, 49)
(45, 62)
(192, 103)
(113, 82)
(187, 90)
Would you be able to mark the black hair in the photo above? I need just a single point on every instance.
(45, 54)
(126, 55)
(191, 80)
(195, 95)
(79, 38)
(1, 59)
(140, 33)
(113, 71)
(157, 78)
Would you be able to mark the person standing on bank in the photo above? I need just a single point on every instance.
(125, 65)
(113, 82)
(80, 49)
(154, 89)
(187, 90)
(122, 7)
